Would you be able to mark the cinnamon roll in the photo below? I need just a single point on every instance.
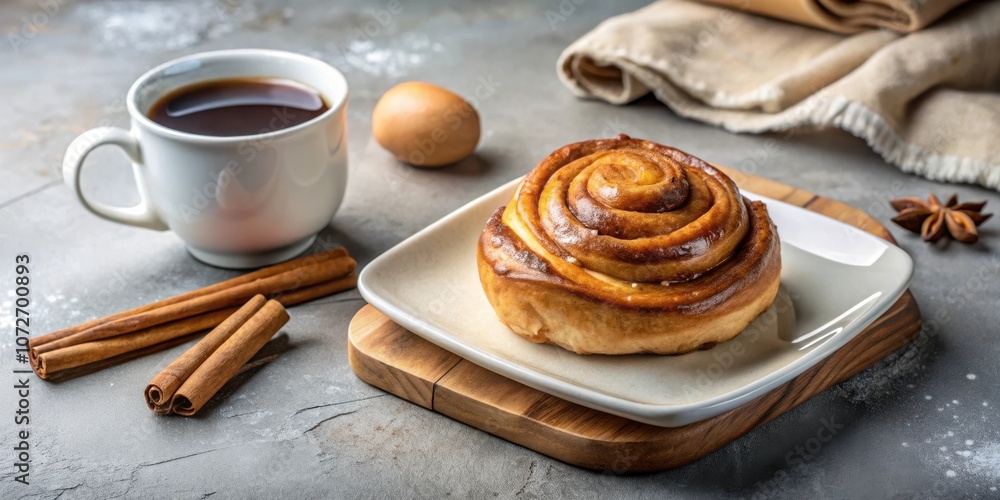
(621, 246)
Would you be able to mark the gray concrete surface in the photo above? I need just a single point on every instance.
(921, 424)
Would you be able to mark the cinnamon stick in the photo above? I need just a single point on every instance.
(149, 340)
(92, 352)
(306, 275)
(87, 369)
(161, 390)
(222, 285)
(204, 380)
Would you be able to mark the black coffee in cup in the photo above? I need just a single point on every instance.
(238, 106)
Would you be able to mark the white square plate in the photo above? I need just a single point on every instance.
(837, 278)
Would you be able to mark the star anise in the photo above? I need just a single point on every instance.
(932, 219)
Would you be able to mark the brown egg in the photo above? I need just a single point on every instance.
(425, 125)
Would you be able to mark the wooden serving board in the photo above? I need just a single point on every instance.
(390, 357)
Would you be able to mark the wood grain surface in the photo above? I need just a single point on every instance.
(388, 356)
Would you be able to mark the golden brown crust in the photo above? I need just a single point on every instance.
(621, 246)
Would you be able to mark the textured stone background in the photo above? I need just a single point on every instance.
(921, 424)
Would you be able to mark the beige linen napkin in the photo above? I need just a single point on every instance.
(926, 101)
(850, 16)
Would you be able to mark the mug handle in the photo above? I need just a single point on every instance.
(142, 214)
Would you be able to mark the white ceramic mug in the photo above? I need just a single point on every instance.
(237, 202)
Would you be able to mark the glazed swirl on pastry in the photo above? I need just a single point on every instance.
(621, 246)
